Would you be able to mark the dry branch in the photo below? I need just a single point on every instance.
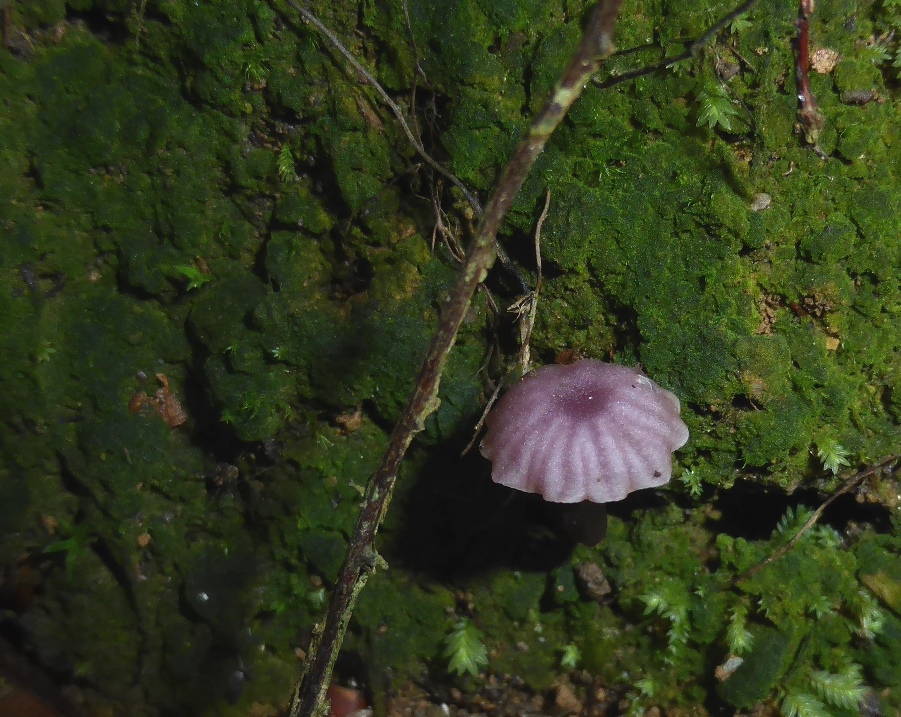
(596, 44)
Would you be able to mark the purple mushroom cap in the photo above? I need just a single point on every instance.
(587, 431)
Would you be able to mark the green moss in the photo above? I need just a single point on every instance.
(218, 315)
(217, 43)
(572, 314)
(478, 139)
(253, 398)
(765, 366)
(854, 74)
(777, 329)
(299, 208)
(403, 624)
(775, 120)
(761, 668)
(835, 241)
(771, 436)
(361, 164)
(576, 226)
(853, 142)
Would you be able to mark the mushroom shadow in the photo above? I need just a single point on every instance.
(455, 523)
(451, 522)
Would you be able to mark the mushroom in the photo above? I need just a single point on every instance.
(589, 431)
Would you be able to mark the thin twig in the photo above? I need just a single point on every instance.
(693, 49)
(481, 421)
(419, 70)
(361, 560)
(413, 45)
(401, 118)
(395, 108)
(528, 324)
(812, 520)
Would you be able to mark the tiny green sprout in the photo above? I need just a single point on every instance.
(738, 636)
(254, 72)
(252, 405)
(716, 107)
(229, 417)
(833, 456)
(647, 686)
(877, 53)
(820, 606)
(285, 165)
(44, 351)
(195, 277)
(317, 598)
(654, 603)
(323, 441)
(671, 603)
(569, 660)
(464, 650)
(681, 67)
(793, 519)
(739, 24)
(692, 481)
(75, 547)
(872, 619)
(871, 624)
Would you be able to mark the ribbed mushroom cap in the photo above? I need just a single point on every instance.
(588, 431)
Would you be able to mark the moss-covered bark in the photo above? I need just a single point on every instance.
(203, 191)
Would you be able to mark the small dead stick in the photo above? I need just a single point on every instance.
(812, 520)
(812, 120)
(308, 699)
(529, 307)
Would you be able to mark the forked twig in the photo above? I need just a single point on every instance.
(689, 52)
(308, 698)
(815, 516)
(527, 308)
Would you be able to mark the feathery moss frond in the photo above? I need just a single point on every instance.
(738, 636)
(802, 704)
(465, 650)
(716, 107)
(845, 689)
(832, 455)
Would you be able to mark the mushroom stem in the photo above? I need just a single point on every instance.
(585, 522)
